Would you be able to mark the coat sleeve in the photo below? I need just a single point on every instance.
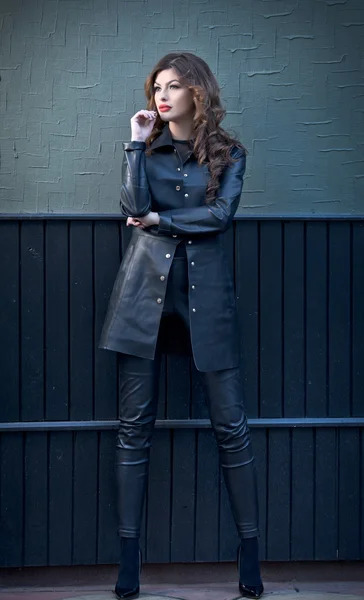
(135, 196)
(211, 218)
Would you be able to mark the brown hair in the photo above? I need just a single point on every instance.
(211, 143)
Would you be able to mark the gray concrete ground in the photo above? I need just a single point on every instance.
(207, 592)
(282, 581)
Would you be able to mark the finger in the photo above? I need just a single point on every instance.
(149, 114)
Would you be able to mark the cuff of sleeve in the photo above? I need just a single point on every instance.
(134, 145)
(165, 223)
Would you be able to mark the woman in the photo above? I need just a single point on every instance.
(182, 180)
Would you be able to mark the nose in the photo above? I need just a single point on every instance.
(163, 96)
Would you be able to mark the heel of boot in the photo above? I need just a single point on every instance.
(121, 592)
(247, 591)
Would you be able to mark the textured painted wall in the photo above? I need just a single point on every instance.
(291, 73)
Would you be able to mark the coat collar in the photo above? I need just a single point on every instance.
(163, 140)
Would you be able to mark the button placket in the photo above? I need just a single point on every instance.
(178, 187)
(192, 263)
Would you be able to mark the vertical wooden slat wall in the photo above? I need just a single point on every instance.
(299, 288)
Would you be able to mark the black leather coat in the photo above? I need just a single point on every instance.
(177, 191)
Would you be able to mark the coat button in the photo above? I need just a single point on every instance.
(186, 195)
(178, 168)
(178, 187)
(185, 175)
(193, 287)
(193, 310)
(193, 264)
(190, 241)
(168, 256)
(174, 235)
(159, 300)
(162, 278)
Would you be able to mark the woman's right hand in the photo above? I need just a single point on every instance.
(142, 124)
(135, 222)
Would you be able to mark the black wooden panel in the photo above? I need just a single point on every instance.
(125, 233)
(11, 500)
(143, 531)
(183, 496)
(32, 324)
(36, 499)
(247, 290)
(56, 320)
(279, 497)
(85, 496)
(108, 542)
(361, 507)
(316, 320)
(106, 265)
(159, 499)
(302, 509)
(9, 314)
(60, 497)
(293, 321)
(228, 536)
(178, 387)
(81, 320)
(270, 306)
(260, 450)
(162, 389)
(207, 498)
(349, 494)
(199, 408)
(326, 474)
(358, 320)
(317, 513)
(339, 320)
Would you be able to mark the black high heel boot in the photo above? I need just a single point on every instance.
(127, 585)
(248, 591)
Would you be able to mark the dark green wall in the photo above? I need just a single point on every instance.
(291, 73)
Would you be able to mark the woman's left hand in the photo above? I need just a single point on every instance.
(152, 218)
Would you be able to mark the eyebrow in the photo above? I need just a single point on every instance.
(156, 83)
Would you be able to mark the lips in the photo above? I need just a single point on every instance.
(164, 108)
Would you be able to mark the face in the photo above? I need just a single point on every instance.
(168, 90)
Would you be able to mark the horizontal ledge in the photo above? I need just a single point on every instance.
(240, 217)
(179, 424)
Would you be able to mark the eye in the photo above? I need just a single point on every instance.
(157, 88)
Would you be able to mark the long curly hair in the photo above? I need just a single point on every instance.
(211, 143)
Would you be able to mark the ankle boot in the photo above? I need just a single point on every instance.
(247, 590)
(127, 585)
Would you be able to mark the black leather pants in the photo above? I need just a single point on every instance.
(139, 379)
